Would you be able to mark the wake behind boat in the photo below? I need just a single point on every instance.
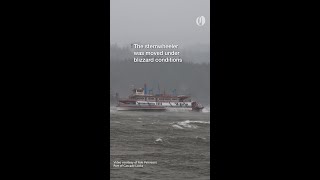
(141, 100)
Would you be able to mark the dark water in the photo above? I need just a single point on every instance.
(179, 142)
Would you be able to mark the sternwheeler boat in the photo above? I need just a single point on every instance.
(141, 100)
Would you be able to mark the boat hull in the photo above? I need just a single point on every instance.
(139, 108)
(158, 108)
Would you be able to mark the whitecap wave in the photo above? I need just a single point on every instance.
(201, 122)
(206, 109)
(188, 124)
(177, 126)
(113, 109)
(202, 138)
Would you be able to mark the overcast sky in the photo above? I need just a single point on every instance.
(159, 21)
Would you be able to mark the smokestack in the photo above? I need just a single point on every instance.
(145, 88)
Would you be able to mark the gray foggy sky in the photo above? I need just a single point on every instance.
(159, 21)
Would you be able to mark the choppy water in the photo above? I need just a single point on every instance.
(179, 142)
